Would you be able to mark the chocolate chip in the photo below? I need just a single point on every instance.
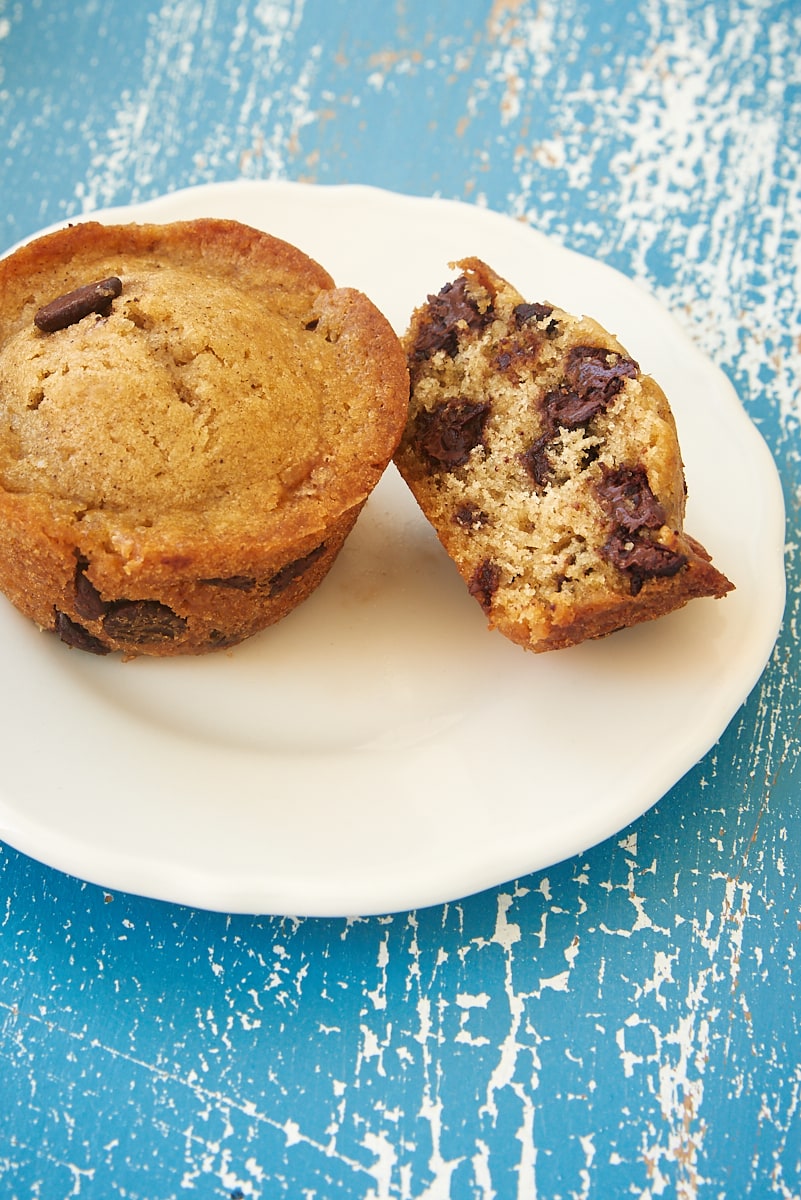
(640, 558)
(219, 641)
(450, 431)
(484, 583)
(470, 516)
(593, 377)
(88, 601)
(74, 306)
(570, 410)
(516, 354)
(76, 636)
(142, 622)
(524, 313)
(241, 583)
(282, 579)
(448, 314)
(626, 495)
(596, 374)
(536, 459)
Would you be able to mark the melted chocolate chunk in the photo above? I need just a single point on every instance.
(626, 495)
(593, 377)
(640, 558)
(89, 604)
(536, 460)
(73, 634)
(142, 622)
(484, 583)
(470, 516)
(74, 306)
(240, 583)
(535, 312)
(515, 354)
(450, 431)
(569, 409)
(293, 570)
(448, 313)
(597, 374)
(219, 641)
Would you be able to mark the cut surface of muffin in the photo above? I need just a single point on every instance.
(548, 464)
(191, 418)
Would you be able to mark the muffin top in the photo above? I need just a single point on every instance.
(220, 385)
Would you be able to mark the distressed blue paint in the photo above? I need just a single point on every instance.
(625, 1023)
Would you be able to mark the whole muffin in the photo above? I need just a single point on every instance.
(191, 417)
(548, 464)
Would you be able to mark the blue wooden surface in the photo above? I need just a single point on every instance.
(625, 1023)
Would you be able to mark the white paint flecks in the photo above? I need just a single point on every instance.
(378, 995)
(382, 1169)
(154, 120)
(674, 1058)
(691, 142)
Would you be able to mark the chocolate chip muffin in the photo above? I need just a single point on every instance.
(548, 464)
(191, 418)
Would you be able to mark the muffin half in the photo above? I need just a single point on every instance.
(548, 464)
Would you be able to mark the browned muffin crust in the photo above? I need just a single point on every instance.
(548, 464)
(191, 418)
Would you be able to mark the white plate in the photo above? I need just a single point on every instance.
(380, 750)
